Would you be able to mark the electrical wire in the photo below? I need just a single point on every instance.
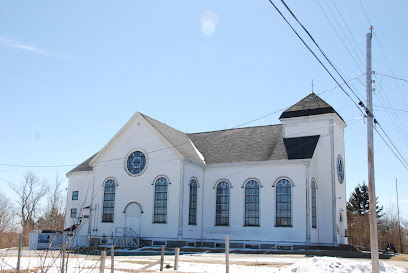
(335, 18)
(321, 51)
(385, 102)
(317, 58)
(400, 79)
(293, 15)
(382, 52)
(368, 19)
(406, 111)
(391, 148)
(351, 34)
(391, 141)
(335, 87)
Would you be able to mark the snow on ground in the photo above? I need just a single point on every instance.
(329, 264)
(240, 263)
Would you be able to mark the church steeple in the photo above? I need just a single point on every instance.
(309, 106)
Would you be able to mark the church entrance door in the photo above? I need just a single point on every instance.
(133, 218)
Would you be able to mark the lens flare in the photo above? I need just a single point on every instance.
(209, 21)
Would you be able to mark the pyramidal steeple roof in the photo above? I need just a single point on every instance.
(309, 106)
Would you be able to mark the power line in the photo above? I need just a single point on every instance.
(400, 128)
(344, 36)
(368, 19)
(317, 58)
(38, 166)
(355, 78)
(390, 148)
(120, 165)
(351, 34)
(391, 142)
(154, 151)
(406, 111)
(321, 51)
(389, 67)
(188, 142)
(341, 39)
(400, 79)
(382, 52)
(354, 120)
(391, 114)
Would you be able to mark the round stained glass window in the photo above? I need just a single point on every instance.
(340, 169)
(136, 163)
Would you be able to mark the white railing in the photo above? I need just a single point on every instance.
(126, 237)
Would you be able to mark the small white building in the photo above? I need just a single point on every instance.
(263, 186)
(45, 239)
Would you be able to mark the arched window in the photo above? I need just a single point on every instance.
(314, 209)
(192, 205)
(108, 201)
(283, 203)
(252, 203)
(160, 200)
(222, 204)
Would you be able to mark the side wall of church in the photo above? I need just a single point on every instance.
(267, 174)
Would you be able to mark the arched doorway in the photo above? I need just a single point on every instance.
(133, 221)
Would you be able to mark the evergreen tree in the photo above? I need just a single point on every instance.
(359, 202)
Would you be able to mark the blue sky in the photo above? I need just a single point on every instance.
(73, 73)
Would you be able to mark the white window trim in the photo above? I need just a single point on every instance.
(167, 201)
(103, 198)
(291, 202)
(259, 204)
(189, 193)
(229, 203)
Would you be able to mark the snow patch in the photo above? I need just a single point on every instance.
(336, 265)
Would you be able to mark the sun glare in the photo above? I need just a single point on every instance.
(209, 21)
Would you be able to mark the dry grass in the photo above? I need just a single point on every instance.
(400, 257)
(32, 270)
(136, 262)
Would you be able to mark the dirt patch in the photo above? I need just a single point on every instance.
(135, 262)
(244, 263)
(33, 270)
(400, 257)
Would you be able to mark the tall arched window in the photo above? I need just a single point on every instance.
(222, 204)
(160, 200)
(108, 201)
(283, 203)
(192, 205)
(314, 207)
(252, 203)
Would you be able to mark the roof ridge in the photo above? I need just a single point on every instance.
(146, 116)
(230, 129)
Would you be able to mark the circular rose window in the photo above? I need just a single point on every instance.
(135, 163)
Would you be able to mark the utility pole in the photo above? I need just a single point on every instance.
(399, 225)
(370, 144)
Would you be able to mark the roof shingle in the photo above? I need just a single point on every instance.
(309, 106)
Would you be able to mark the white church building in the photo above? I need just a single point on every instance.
(263, 186)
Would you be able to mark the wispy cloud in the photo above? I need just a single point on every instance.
(14, 44)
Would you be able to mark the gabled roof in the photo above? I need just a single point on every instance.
(177, 139)
(259, 143)
(84, 166)
(308, 106)
(241, 145)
